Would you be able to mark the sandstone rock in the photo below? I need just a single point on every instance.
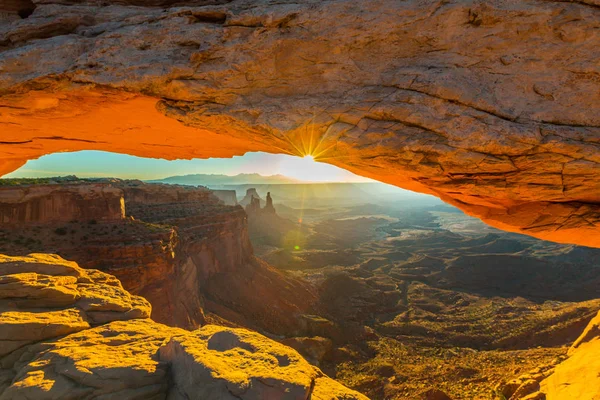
(180, 248)
(43, 296)
(314, 349)
(228, 197)
(509, 388)
(269, 206)
(16, 9)
(203, 361)
(60, 203)
(142, 359)
(251, 194)
(434, 394)
(136, 358)
(118, 361)
(578, 377)
(526, 388)
(214, 268)
(476, 103)
(254, 206)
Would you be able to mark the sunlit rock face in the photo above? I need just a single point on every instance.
(228, 197)
(44, 296)
(493, 106)
(180, 248)
(574, 378)
(60, 203)
(70, 333)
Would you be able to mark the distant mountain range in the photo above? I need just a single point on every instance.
(219, 180)
(288, 190)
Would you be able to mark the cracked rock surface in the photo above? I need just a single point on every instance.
(493, 106)
(81, 336)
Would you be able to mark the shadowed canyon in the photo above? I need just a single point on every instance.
(181, 288)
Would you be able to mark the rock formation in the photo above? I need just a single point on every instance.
(269, 206)
(574, 378)
(51, 309)
(254, 206)
(43, 296)
(180, 248)
(253, 202)
(491, 105)
(228, 197)
(60, 203)
(16, 9)
(577, 377)
(251, 193)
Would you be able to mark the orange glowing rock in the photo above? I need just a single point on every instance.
(478, 105)
(70, 333)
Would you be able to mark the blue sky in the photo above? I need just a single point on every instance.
(103, 164)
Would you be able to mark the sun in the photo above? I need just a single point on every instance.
(308, 169)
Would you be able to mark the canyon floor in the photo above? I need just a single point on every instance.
(447, 302)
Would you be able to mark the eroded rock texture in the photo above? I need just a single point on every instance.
(60, 203)
(180, 248)
(43, 296)
(125, 355)
(575, 377)
(494, 106)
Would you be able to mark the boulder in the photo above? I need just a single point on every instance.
(434, 394)
(43, 296)
(68, 333)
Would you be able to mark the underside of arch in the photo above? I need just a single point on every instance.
(492, 106)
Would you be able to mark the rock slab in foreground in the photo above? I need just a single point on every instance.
(131, 358)
(578, 377)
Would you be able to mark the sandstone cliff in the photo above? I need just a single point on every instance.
(60, 203)
(180, 248)
(228, 197)
(573, 378)
(214, 260)
(55, 309)
(251, 194)
(491, 105)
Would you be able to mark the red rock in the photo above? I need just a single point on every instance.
(487, 106)
(184, 251)
(60, 203)
(434, 394)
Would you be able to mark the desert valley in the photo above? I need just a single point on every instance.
(395, 295)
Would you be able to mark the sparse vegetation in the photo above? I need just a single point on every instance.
(61, 231)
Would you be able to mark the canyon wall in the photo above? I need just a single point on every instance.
(211, 239)
(490, 105)
(180, 248)
(214, 264)
(60, 203)
(229, 197)
(575, 377)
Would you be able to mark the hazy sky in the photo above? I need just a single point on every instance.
(103, 164)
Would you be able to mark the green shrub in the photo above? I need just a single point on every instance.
(61, 231)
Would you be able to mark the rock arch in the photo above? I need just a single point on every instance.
(492, 106)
